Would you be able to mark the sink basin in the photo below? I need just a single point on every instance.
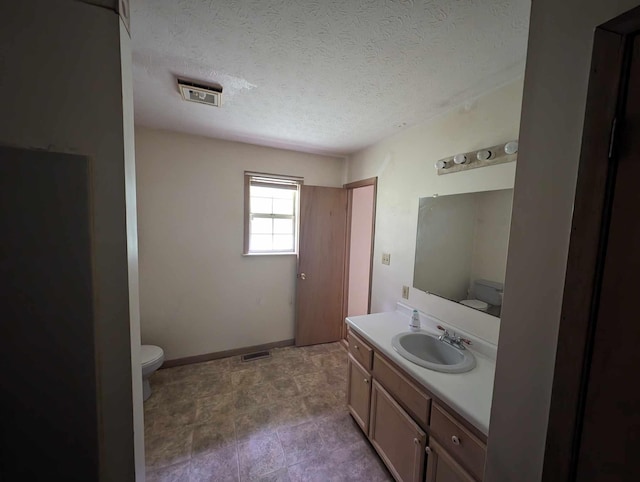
(427, 351)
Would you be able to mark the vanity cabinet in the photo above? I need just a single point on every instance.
(358, 393)
(405, 425)
(441, 467)
(397, 438)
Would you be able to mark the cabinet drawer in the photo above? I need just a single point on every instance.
(362, 352)
(458, 441)
(411, 397)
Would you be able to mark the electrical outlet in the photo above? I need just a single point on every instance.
(386, 258)
(405, 292)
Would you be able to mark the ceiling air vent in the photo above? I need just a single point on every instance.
(203, 94)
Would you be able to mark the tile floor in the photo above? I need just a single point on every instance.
(278, 419)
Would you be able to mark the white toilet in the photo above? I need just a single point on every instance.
(487, 293)
(152, 358)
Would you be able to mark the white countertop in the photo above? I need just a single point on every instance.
(469, 394)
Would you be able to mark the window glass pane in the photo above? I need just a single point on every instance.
(283, 206)
(264, 191)
(283, 242)
(261, 242)
(272, 217)
(261, 205)
(261, 226)
(283, 226)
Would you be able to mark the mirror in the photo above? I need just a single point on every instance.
(461, 247)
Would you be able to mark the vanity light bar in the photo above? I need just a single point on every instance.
(489, 156)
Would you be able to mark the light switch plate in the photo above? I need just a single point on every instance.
(386, 258)
(405, 292)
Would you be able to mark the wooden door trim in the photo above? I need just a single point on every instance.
(587, 246)
(372, 181)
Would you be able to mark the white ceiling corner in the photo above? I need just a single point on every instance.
(325, 76)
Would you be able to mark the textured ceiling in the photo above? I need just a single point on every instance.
(327, 76)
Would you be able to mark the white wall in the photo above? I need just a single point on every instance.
(404, 166)
(198, 294)
(132, 248)
(73, 50)
(557, 73)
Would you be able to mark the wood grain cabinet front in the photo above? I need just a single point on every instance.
(441, 467)
(397, 438)
(395, 411)
(458, 441)
(360, 350)
(358, 393)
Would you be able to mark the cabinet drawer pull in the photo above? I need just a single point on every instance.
(428, 449)
(416, 441)
(366, 381)
(455, 440)
(356, 347)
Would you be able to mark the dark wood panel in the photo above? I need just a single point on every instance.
(584, 249)
(610, 440)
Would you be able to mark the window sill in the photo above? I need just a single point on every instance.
(269, 254)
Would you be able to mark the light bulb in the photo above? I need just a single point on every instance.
(442, 164)
(484, 155)
(460, 159)
(511, 147)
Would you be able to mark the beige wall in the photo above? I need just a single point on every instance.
(558, 60)
(198, 294)
(73, 50)
(404, 166)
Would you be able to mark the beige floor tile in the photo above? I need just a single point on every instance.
(251, 396)
(170, 416)
(220, 465)
(339, 430)
(255, 422)
(301, 442)
(168, 448)
(208, 438)
(260, 456)
(278, 419)
(174, 473)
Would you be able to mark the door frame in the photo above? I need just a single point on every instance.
(371, 181)
(588, 243)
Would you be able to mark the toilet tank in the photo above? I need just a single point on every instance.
(488, 291)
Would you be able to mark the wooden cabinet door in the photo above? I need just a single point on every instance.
(442, 468)
(397, 438)
(359, 393)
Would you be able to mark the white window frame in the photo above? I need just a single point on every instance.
(273, 181)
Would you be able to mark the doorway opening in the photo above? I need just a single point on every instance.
(361, 216)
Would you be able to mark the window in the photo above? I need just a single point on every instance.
(271, 214)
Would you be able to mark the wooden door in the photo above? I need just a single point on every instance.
(396, 437)
(441, 467)
(320, 284)
(612, 403)
(595, 405)
(358, 393)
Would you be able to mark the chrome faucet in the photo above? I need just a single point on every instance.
(452, 339)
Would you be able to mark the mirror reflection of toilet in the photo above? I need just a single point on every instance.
(487, 293)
